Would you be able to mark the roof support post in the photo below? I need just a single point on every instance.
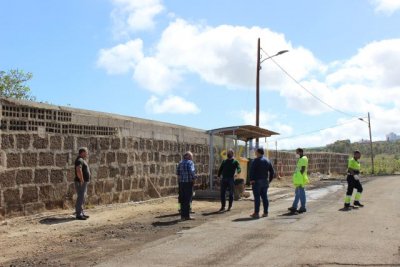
(211, 159)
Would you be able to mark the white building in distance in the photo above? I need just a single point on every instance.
(392, 137)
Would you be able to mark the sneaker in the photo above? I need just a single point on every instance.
(229, 208)
(302, 210)
(222, 209)
(357, 203)
(81, 217)
(255, 216)
(292, 209)
(265, 214)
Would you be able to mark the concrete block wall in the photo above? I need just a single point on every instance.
(318, 162)
(130, 159)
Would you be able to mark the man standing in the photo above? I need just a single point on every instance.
(227, 169)
(300, 179)
(353, 181)
(186, 175)
(261, 174)
(82, 178)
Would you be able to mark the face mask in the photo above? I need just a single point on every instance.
(297, 156)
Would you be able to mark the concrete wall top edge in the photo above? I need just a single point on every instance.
(80, 115)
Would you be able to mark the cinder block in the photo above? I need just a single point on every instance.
(13, 160)
(29, 159)
(40, 143)
(24, 176)
(7, 179)
(29, 194)
(23, 141)
(41, 176)
(7, 141)
(55, 142)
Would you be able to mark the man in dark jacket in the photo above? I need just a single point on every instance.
(227, 169)
(261, 174)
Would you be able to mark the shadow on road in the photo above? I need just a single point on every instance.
(348, 209)
(168, 215)
(289, 214)
(244, 219)
(168, 223)
(56, 220)
(213, 213)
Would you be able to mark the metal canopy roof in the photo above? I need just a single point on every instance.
(243, 132)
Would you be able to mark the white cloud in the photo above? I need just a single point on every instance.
(386, 6)
(134, 15)
(155, 76)
(223, 55)
(367, 80)
(226, 56)
(172, 104)
(122, 58)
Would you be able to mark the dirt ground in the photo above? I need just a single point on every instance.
(56, 239)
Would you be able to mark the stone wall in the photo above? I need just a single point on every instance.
(318, 162)
(130, 159)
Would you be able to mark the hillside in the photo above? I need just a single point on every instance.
(386, 154)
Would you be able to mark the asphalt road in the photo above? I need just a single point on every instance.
(324, 236)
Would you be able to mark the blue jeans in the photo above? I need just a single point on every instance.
(300, 194)
(260, 188)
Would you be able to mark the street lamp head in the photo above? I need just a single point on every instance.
(282, 52)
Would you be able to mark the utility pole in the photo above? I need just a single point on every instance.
(258, 88)
(259, 61)
(370, 142)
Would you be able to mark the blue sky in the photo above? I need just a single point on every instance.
(193, 62)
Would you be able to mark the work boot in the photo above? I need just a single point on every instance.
(292, 209)
(302, 210)
(255, 216)
(346, 206)
(357, 203)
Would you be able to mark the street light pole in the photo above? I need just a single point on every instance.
(370, 142)
(258, 81)
(258, 87)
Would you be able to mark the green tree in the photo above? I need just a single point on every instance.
(13, 84)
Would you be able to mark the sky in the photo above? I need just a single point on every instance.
(193, 63)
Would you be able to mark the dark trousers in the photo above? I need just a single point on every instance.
(260, 188)
(225, 184)
(185, 197)
(80, 200)
(353, 183)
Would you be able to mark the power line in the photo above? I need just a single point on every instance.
(308, 91)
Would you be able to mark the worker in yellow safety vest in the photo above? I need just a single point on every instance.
(353, 181)
(300, 179)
